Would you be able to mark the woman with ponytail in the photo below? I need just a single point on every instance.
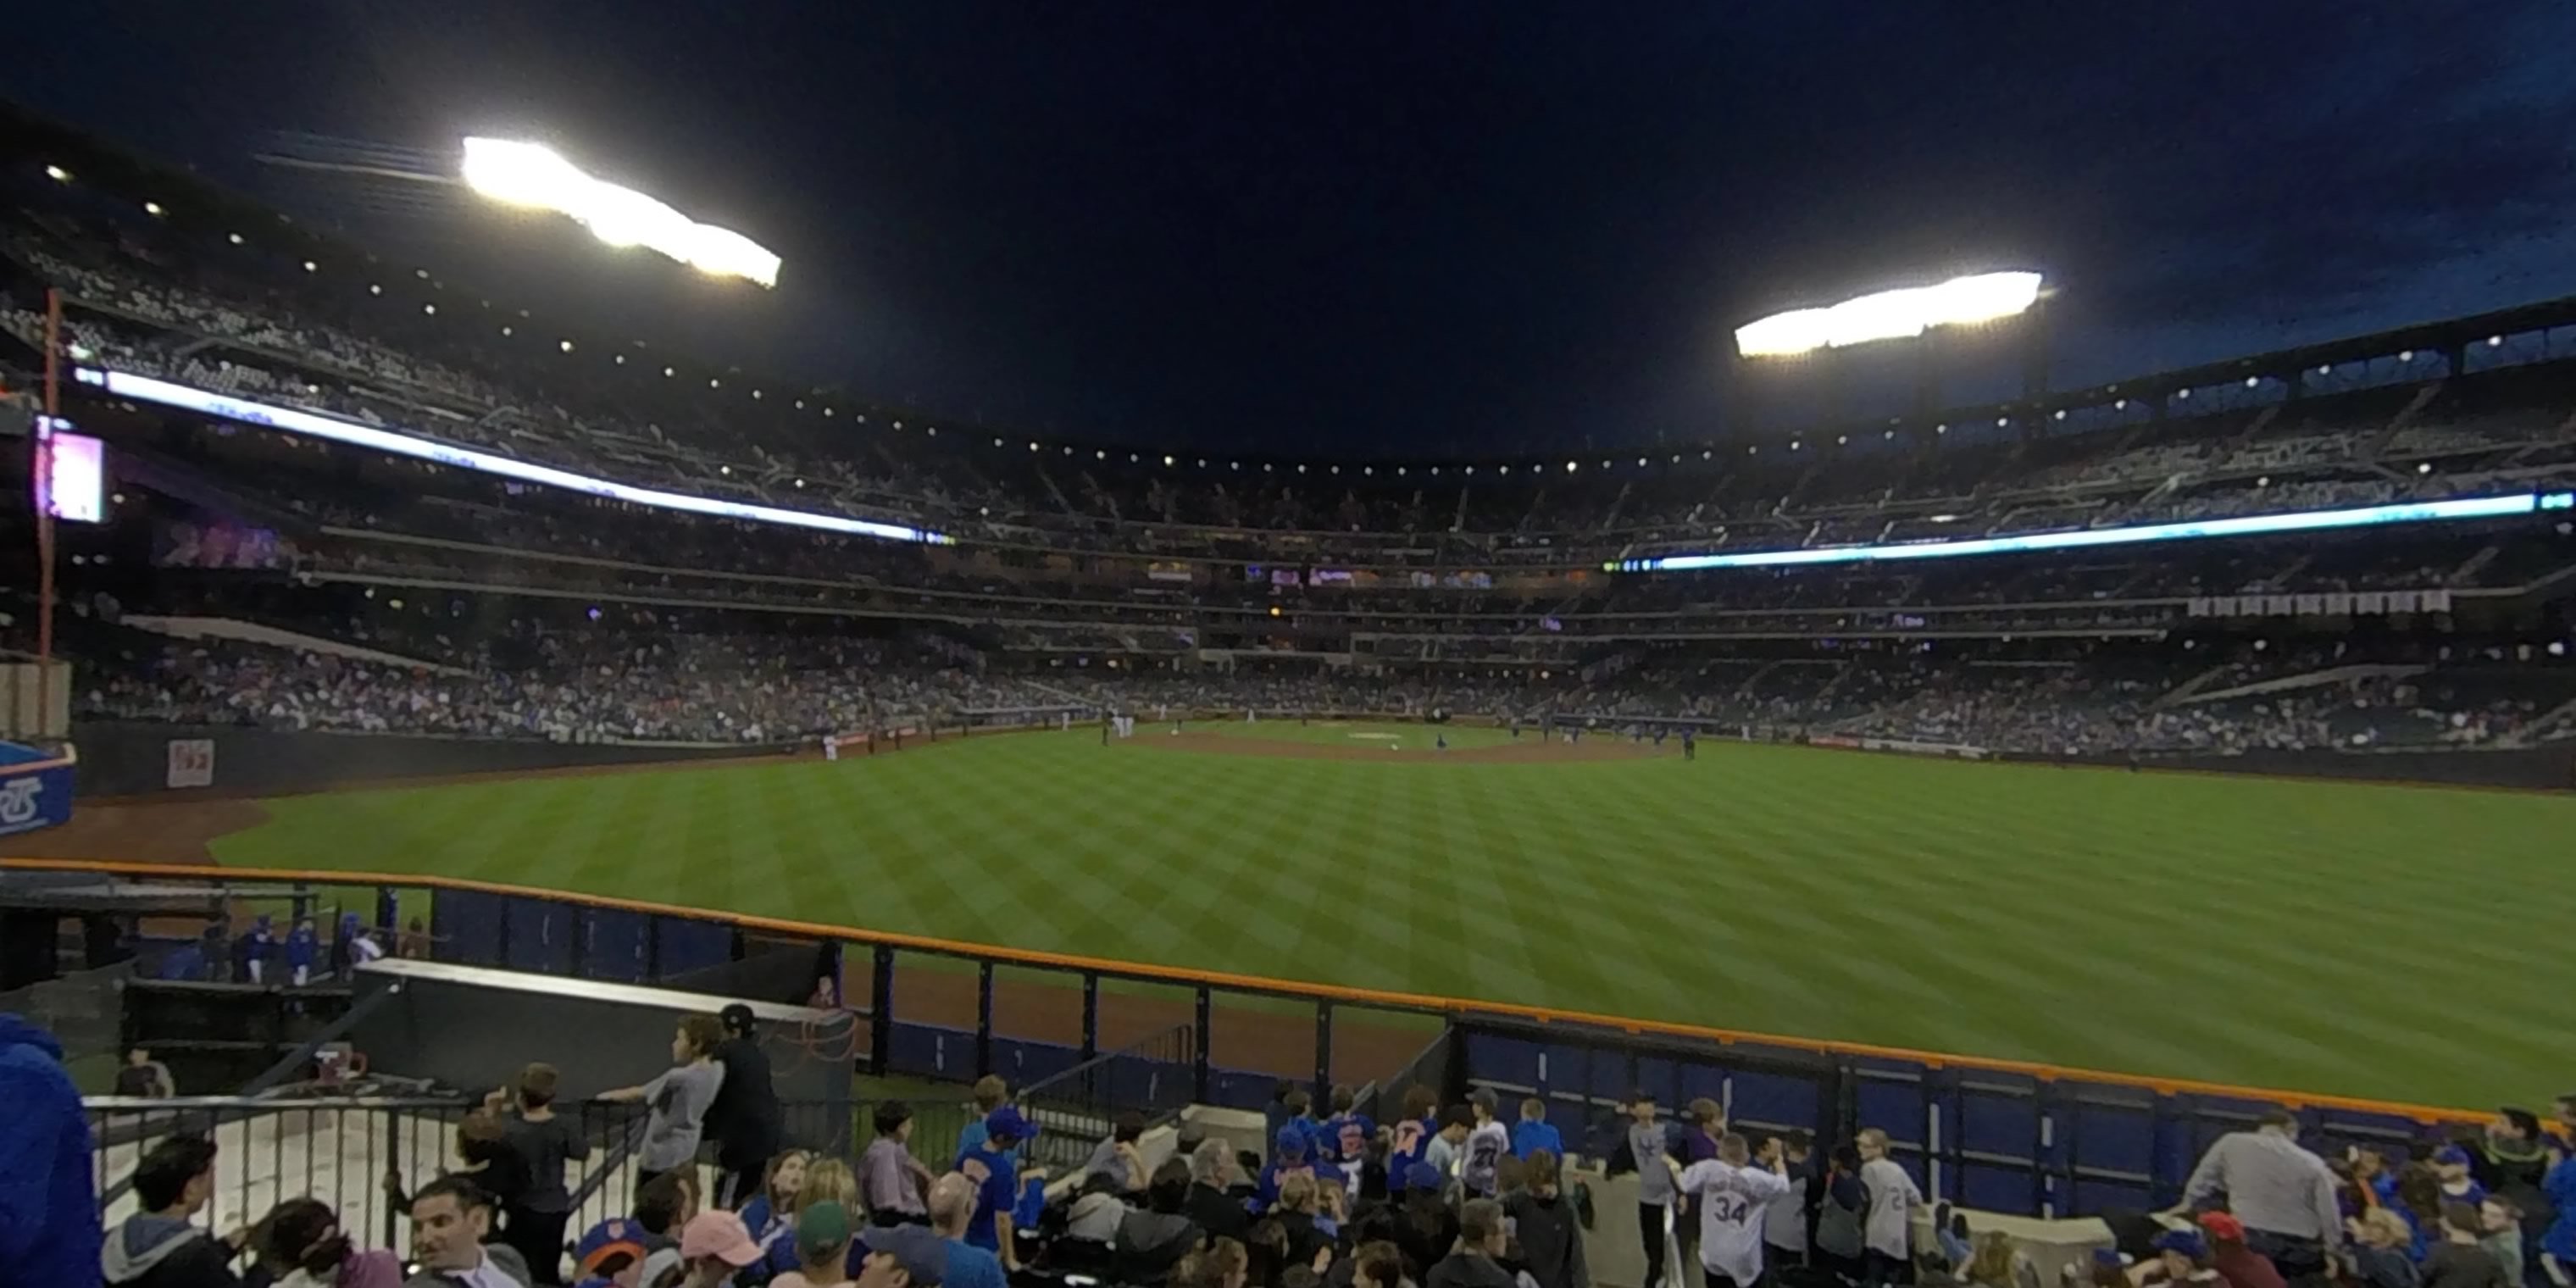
(301, 1242)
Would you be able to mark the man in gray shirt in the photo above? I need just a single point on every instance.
(1655, 1190)
(678, 1098)
(2284, 1194)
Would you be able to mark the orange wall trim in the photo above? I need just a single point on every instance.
(1451, 1006)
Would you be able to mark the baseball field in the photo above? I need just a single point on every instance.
(2367, 940)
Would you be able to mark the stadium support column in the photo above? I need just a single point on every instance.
(983, 1018)
(881, 1011)
(1200, 1073)
(1323, 1052)
(1090, 1014)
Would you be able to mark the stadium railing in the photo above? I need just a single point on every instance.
(2005, 1135)
(1153, 1079)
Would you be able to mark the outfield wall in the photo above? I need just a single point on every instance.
(2003, 1135)
(140, 758)
(2549, 768)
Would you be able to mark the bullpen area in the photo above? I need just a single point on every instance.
(2268, 932)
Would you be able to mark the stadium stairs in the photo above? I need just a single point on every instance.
(2308, 680)
(231, 628)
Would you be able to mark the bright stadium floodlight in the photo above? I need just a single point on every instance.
(1889, 315)
(531, 174)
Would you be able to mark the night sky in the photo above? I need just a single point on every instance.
(1373, 227)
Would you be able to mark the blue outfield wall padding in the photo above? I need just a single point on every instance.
(541, 935)
(1701, 1081)
(1781, 1098)
(2111, 1138)
(1994, 1188)
(1501, 1058)
(1021, 1062)
(465, 926)
(688, 944)
(931, 1051)
(614, 945)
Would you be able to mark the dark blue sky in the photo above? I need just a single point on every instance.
(1329, 227)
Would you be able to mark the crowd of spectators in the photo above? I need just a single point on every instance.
(1478, 1193)
(268, 343)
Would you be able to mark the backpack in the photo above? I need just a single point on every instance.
(1838, 1229)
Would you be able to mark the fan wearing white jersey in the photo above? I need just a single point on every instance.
(1731, 1196)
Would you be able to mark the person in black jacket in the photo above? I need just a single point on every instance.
(1543, 1221)
(1152, 1241)
(1481, 1239)
(744, 1120)
(158, 1247)
(1212, 1207)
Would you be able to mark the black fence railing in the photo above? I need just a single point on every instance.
(1075, 1109)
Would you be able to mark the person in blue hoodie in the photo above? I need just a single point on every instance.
(49, 1231)
(303, 945)
(1534, 1132)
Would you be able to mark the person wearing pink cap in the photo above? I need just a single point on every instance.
(2228, 1254)
(713, 1246)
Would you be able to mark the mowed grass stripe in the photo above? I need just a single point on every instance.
(2284, 933)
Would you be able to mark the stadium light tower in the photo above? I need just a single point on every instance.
(1923, 313)
(533, 175)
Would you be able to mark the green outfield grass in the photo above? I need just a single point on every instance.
(1362, 735)
(2367, 940)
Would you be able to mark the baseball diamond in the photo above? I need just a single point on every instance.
(2215, 927)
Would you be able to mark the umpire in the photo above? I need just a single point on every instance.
(744, 1120)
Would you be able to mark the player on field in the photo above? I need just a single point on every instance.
(1732, 1197)
(1690, 744)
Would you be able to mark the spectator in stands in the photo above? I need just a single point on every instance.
(2558, 1245)
(2182, 1261)
(827, 1180)
(997, 1184)
(2241, 1265)
(611, 1255)
(1655, 1175)
(1893, 1196)
(1224, 1263)
(744, 1118)
(1374, 1264)
(771, 1214)
(1288, 1157)
(1149, 1242)
(533, 1221)
(1995, 1262)
(449, 1219)
(953, 1203)
(989, 1093)
(1447, 1147)
(1297, 1212)
(1840, 1243)
(2378, 1257)
(2512, 1159)
(144, 1077)
(1211, 1206)
(1430, 1226)
(159, 1246)
(302, 1244)
(906, 1257)
(1348, 1130)
(1730, 1193)
(1411, 1135)
(1115, 1156)
(1534, 1133)
(713, 1247)
(1703, 1121)
(1488, 1143)
(1481, 1241)
(2457, 1259)
(894, 1183)
(2451, 1167)
(2283, 1193)
(2500, 1233)
(1551, 1239)
(679, 1097)
(821, 1236)
(1785, 1219)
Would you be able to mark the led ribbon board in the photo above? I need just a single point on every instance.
(2484, 507)
(294, 421)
